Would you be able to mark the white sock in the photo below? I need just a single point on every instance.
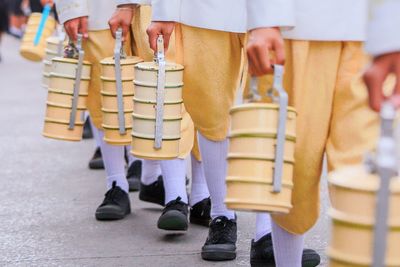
(215, 168)
(263, 225)
(131, 158)
(174, 176)
(150, 171)
(95, 132)
(114, 163)
(288, 248)
(199, 189)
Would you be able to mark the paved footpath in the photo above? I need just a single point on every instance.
(48, 195)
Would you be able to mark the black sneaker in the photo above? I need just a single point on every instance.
(96, 162)
(115, 206)
(87, 130)
(133, 175)
(262, 254)
(153, 193)
(174, 216)
(221, 241)
(200, 213)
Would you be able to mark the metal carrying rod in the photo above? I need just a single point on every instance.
(386, 169)
(77, 83)
(282, 100)
(118, 78)
(160, 58)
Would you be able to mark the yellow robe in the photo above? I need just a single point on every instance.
(324, 85)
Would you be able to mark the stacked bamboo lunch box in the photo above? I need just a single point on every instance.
(67, 96)
(117, 75)
(157, 109)
(28, 49)
(365, 209)
(54, 48)
(261, 153)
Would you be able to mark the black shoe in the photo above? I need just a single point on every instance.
(174, 216)
(221, 241)
(262, 254)
(154, 192)
(133, 175)
(96, 163)
(87, 130)
(115, 206)
(200, 213)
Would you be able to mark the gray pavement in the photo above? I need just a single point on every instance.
(48, 195)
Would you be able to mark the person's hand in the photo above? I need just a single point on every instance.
(375, 76)
(157, 28)
(122, 18)
(75, 26)
(47, 2)
(262, 42)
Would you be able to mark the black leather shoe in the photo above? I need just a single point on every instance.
(174, 216)
(115, 206)
(87, 130)
(133, 175)
(221, 241)
(262, 254)
(96, 162)
(200, 213)
(153, 193)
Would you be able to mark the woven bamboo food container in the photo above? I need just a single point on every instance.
(353, 194)
(109, 96)
(60, 99)
(145, 111)
(28, 50)
(251, 158)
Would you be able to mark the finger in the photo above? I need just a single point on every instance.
(167, 38)
(279, 53)
(152, 34)
(264, 60)
(83, 27)
(374, 79)
(113, 26)
(125, 31)
(254, 66)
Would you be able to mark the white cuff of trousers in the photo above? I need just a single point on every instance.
(270, 13)
(68, 10)
(166, 10)
(383, 34)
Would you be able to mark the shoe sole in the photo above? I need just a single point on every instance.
(153, 200)
(111, 214)
(310, 259)
(173, 220)
(218, 252)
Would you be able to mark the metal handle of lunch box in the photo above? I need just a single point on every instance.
(160, 58)
(118, 78)
(77, 83)
(279, 96)
(386, 168)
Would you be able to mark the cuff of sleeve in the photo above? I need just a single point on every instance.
(166, 10)
(383, 29)
(270, 13)
(127, 2)
(68, 10)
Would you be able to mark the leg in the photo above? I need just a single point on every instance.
(152, 184)
(200, 202)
